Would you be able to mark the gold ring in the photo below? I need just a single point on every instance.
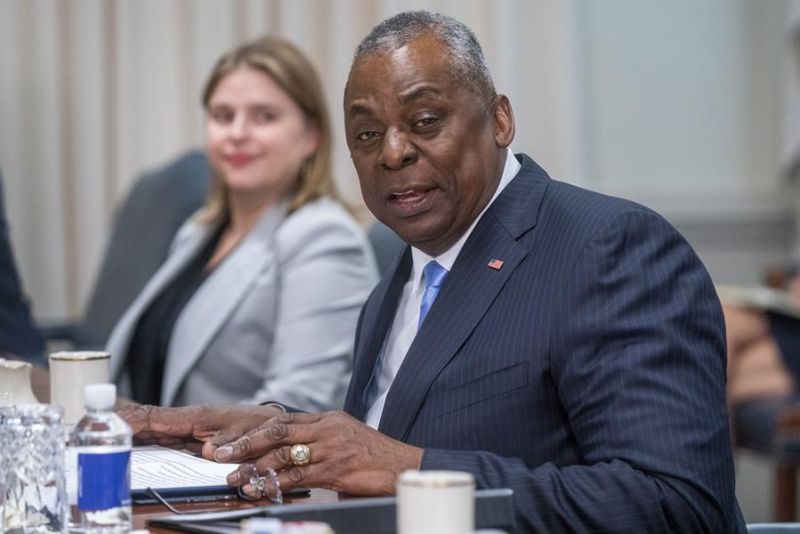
(300, 454)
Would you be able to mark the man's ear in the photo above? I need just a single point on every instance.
(503, 117)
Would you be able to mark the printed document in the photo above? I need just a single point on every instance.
(161, 468)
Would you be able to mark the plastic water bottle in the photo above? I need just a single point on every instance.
(100, 452)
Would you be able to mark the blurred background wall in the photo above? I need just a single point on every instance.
(684, 105)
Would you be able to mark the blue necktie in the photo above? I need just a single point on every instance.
(434, 275)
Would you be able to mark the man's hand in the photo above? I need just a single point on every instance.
(196, 428)
(346, 455)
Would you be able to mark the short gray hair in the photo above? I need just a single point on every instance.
(466, 56)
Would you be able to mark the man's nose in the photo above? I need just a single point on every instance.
(397, 150)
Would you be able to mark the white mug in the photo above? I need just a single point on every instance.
(435, 502)
(69, 373)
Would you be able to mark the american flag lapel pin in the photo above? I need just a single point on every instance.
(495, 264)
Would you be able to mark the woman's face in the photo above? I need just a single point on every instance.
(257, 136)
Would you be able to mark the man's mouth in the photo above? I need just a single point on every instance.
(411, 201)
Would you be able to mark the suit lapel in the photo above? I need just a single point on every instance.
(217, 299)
(466, 296)
(377, 320)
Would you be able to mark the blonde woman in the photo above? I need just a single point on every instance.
(260, 295)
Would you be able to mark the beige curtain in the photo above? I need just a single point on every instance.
(93, 92)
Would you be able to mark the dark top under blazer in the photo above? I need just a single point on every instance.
(587, 374)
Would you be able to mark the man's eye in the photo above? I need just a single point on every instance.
(427, 121)
(367, 136)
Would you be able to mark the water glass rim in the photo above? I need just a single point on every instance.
(49, 412)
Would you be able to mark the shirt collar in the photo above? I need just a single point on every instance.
(448, 257)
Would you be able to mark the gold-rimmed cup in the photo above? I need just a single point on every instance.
(70, 372)
(435, 501)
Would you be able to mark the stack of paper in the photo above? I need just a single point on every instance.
(174, 474)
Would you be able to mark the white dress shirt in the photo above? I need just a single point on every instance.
(404, 327)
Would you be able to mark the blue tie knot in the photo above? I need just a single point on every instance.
(433, 274)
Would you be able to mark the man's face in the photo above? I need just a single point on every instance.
(428, 151)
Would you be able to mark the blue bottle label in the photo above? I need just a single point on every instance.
(104, 479)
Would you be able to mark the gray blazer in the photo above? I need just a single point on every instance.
(274, 321)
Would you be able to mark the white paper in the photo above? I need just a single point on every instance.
(160, 468)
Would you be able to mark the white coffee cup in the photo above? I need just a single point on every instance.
(69, 373)
(435, 502)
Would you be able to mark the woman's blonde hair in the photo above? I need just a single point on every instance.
(294, 73)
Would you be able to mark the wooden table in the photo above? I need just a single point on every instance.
(142, 513)
(40, 383)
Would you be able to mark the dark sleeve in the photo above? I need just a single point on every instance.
(18, 335)
(639, 366)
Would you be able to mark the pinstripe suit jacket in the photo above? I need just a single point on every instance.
(587, 374)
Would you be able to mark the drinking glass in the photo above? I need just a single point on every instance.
(32, 488)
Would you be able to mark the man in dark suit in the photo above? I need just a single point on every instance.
(18, 336)
(545, 338)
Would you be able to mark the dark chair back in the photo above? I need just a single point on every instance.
(157, 205)
(385, 244)
(18, 336)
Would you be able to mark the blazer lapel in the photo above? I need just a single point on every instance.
(217, 299)
(190, 239)
(375, 327)
(468, 292)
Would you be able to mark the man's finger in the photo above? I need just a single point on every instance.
(301, 417)
(194, 446)
(261, 440)
(173, 443)
(212, 444)
(173, 421)
(302, 476)
(159, 439)
(136, 415)
(296, 476)
(250, 491)
(234, 478)
(144, 438)
(277, 459)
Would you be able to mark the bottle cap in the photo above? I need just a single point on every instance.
(100, 396)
